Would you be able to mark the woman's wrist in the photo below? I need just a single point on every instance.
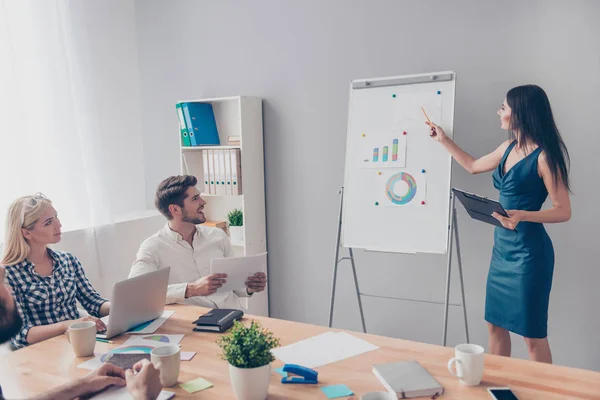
(523, 216)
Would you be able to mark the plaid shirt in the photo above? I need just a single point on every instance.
(48, 300)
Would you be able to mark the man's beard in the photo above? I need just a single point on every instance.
(14, 326)
(193, 220)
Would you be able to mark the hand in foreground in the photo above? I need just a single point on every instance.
(101, 378)
(143, 381)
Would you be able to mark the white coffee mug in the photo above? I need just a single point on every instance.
(166, 359)
(469, 364)
(82, 336)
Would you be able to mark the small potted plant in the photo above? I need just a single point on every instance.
(247, 349)
(236, 226)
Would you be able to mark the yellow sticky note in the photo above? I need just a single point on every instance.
(196, 385)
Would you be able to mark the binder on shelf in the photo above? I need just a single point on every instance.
(211, 172)
(222, 172)
(185, 139)
(206, 172)
(200, 120)
(187, 119)
(227, 160)
(236, 175)
(218, 172)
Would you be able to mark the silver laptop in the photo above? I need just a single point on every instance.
(135, 301)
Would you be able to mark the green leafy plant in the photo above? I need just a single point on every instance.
(248, 346)
(235, 217)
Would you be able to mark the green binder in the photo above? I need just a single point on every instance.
(185, 138)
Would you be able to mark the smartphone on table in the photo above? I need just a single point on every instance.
(502, 393)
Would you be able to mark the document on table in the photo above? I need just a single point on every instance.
(121, 393)
(148, 326)
(238, 270)
(323, 349)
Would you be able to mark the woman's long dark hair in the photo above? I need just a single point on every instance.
(532, 118)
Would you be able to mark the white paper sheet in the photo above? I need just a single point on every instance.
(323, 349)
(238, 270)
(154, 325)
(121, 393)
(166, 339)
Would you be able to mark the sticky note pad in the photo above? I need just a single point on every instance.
(280, 372)
(335, 391)
(186, 355)
(196, 385)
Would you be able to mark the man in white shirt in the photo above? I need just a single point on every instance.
(187, 247)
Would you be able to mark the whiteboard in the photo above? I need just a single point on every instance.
(396, 178)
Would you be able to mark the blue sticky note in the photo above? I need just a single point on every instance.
(280, 372)
(335, 391)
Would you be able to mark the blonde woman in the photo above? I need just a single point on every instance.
(46, 283)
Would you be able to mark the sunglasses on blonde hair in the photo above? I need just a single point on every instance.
(30, 203)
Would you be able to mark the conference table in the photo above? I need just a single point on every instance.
(37, 368)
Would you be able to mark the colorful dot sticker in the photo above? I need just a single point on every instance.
(439, 92)
(394, 96)
(404, 198)
(404, 133)
(422, 171)
(376, 203)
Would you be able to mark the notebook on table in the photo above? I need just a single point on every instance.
(218, 320)
(407, 379)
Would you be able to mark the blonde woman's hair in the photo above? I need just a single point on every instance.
(23, 213)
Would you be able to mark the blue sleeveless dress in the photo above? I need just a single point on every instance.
(520, 276)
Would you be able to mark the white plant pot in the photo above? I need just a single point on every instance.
(250, 383)
(237, 235)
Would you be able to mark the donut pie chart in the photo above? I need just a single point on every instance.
(401, 198)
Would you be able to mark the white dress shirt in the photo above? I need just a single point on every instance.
(167, 248)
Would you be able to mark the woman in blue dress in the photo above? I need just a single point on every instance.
(531, 165)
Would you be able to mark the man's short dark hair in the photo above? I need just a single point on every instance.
(173, 191)
(10, 322)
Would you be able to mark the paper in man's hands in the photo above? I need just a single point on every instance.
(238, 270)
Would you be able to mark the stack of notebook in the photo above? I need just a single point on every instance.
(407, 379)
(218, 320)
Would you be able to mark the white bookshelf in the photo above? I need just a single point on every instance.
(237, 116)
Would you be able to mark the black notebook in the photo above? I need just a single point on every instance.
(218, 320)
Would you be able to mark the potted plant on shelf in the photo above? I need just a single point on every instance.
(236, 226)
(247, 349)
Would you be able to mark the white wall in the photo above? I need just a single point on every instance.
(300, 56)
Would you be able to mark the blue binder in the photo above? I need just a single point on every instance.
(202, 127)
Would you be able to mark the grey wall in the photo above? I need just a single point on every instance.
(300, 57)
